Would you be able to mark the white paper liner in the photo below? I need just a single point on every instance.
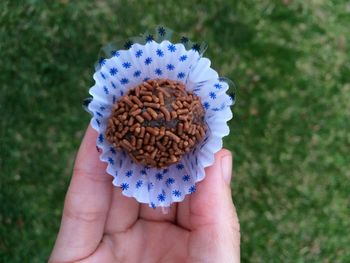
(127, 69)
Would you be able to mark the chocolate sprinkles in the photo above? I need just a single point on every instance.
(157, 122)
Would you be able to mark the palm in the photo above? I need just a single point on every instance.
(101, 225)
(149, 241)
(149, 235)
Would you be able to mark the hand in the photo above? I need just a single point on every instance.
(99, 224)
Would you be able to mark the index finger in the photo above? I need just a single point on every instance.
(86, 205)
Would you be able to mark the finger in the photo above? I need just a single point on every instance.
(212, 213)
(160, 214)
(86, 204)
(122, 214)
(212, 202)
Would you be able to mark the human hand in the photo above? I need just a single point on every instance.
(99, 224)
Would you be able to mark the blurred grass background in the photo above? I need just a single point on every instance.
(290, 135)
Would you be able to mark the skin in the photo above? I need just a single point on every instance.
(99, 224)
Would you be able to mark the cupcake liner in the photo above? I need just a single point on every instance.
(130, 67)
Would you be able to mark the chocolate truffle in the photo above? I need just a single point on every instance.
(157, 122)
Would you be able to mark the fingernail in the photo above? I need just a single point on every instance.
(226, 168)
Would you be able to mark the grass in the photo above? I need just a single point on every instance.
(290, 135)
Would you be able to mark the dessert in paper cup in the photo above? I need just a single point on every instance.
(160, 111)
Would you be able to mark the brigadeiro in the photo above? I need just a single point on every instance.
(157, 122)
(160, 111)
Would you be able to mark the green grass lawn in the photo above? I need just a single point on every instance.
(290, 135)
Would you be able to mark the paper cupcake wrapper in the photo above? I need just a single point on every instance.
(128, 68)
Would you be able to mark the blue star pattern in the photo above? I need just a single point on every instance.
(186, 178)
(184, 40)
(124, 81)
(161, 197)
(169, 181)
(212, 95)
(100, 138)
(138, 53)
(218, 86)
(180, 166)
(103, 75)
(128, 44)
(206, 105)
(124, 186)
(158, 71)
(149, 38)
(172, 48)
(139, 183)
(196, 47)
(105, 90)
(137, 73)
(183, 58)
(113, 71)
(192, 189)
(176, 193)
(102, 61)
(115, 53)
(181, 75)
(113, 151)
(129, 173)
(126, 65)
(98, 123)
(153, 205)
(161, 31)
(143, 172)
(110, 160)
(170, 67)
(204, 141)
(159, 176)
(160, 53)
(148, 60)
